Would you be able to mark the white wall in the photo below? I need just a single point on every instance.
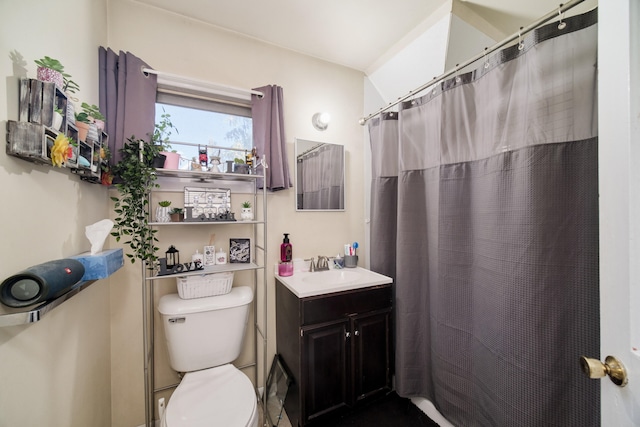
(174, 44)
(55, 372)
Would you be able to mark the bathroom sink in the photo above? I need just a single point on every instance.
(307, 284)
(332, 277)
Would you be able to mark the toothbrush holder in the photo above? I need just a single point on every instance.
(351, 261)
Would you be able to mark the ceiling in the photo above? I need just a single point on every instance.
(354, 33)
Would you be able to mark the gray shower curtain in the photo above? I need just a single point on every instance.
(321, 178)
(486, 191)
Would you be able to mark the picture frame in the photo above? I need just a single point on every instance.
(239, 250)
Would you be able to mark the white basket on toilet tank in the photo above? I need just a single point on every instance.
(205, 285)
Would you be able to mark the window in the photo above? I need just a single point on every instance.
(206, 124)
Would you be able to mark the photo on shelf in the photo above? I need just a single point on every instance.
(240, 251)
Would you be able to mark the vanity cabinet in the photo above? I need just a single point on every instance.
(337, 348)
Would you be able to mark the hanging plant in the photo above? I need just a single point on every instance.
(137, 177)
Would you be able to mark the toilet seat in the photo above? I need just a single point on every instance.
(220, 396)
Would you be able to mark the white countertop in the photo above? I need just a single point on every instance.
(306, 284)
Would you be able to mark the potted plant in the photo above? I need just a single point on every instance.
(162, 211)
(247, 212)
(136, 177)
(161, 133)
(83, 124)
(239, 166)
(94, 114)
(176, 214)
(50, 70)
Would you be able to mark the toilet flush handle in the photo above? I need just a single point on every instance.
(177, 320)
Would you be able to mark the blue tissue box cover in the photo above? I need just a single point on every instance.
(101, 265)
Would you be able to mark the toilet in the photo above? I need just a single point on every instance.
(204, 335)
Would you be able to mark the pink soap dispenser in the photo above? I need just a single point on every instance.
(285, 268)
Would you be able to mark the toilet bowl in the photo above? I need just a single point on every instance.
(203, 336)
(220, 396)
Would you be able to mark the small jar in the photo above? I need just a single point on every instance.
(197, 257)
(221, 257)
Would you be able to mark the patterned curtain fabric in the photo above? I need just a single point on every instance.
(127, 98)
(321, 178)
(486, 191)
(268, 135)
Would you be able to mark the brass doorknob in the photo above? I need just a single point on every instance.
(594, 368)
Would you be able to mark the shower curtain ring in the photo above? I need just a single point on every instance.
(458, 79)
(520, 43)
(486, 62)
(561, 23)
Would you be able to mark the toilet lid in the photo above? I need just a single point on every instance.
(221, 396)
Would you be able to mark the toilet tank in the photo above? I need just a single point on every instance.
(203, 333)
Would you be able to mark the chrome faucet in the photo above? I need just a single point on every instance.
(312, 265)
(323, 263)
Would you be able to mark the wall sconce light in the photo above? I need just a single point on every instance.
(321, 121)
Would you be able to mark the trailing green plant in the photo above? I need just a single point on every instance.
(82, 117)
(165, 203)
(136, 177)
(163, 130)
(92, 111)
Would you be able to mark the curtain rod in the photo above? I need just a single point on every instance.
(523, 30)
(202, 85)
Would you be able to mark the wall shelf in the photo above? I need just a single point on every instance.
(210, 270)
(20, 316)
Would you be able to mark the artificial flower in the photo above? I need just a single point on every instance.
(60, 151)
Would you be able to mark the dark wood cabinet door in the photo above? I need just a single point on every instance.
(324, 381)
(371, 363)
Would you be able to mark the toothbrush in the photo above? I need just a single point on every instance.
(354, 246)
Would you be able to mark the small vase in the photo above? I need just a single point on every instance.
(162, 214)
(172, 160)
(99, 124)
(83, 130)
(49, 75)
(71, 112)
(177, 217)
(92, 133)
(57, 120)
(246, 214)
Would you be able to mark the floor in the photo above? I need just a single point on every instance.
(387, 411)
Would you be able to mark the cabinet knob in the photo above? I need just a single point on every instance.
(347, 334)
(356, 332)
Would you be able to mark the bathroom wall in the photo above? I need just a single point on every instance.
(174, 44)
(55, 372)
